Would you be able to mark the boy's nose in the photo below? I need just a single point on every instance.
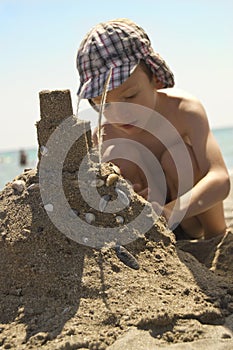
(117, 111)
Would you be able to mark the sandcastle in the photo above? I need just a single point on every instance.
(96, 193)
(62, 284)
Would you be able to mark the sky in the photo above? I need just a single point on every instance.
(39, 40)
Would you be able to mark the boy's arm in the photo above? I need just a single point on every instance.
(214, 184)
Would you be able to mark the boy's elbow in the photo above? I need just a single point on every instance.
(225, 185)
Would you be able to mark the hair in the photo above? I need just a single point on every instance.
(146, 70)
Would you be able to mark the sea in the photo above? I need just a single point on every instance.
(10, 166)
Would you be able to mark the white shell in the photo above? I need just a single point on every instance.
(104, 202)
(116, 169)
(123, 197)
(3, 234)
(85, 239)
(90, 218)
(97, 183)
(119, 219)
(34, 186)
(43, 150)
(18, 185)
(48, 207)
(111, 179)
(26, 231)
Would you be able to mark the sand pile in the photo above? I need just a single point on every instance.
(60, 292)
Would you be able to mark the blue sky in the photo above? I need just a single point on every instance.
(39, 40)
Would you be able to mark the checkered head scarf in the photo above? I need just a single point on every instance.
(117, 46)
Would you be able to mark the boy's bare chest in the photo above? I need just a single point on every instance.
(159, 142)
(156, 140)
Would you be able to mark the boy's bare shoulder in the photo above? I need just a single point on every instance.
(188, 107)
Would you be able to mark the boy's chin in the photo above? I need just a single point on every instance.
(130, 129)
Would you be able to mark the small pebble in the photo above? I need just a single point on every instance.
(48, 207)
(119, 219)
(90, 218)
(43, 150)
(126, 257)
(97, 183)
(123, 197)
(18, 185)
(2, 214)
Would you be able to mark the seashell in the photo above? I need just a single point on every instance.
(43, 150)
(32, 187)
(104, 202)
(119, 219)
(25, 231)
(111, 179)
(126, 257)
(85, 239)
(97, 183)
(26, 170)
(73, 213)
(90, 218)
(3, 234)
(48, 207)
(123, 197)
(116, 169)
(18, 185)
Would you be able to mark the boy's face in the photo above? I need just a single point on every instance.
(122, 108)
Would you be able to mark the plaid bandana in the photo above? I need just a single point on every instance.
(118, 44)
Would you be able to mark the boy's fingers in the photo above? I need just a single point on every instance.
(137, 187)
(144, 193)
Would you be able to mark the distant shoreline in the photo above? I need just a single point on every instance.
(30, 148)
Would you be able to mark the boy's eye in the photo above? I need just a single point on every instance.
(131, 96)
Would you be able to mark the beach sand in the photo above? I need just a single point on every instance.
(59, 294)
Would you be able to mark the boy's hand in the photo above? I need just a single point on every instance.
(164, 211)
(145, 193)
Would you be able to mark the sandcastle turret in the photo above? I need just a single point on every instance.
(55, 107)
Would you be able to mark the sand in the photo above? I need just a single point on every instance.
(60, 294)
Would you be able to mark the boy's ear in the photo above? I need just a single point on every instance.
(157, 83)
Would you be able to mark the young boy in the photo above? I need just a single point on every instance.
(144, 111)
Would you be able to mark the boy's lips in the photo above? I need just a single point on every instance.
(128, 126)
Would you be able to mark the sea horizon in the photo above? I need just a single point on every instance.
(10, 167)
